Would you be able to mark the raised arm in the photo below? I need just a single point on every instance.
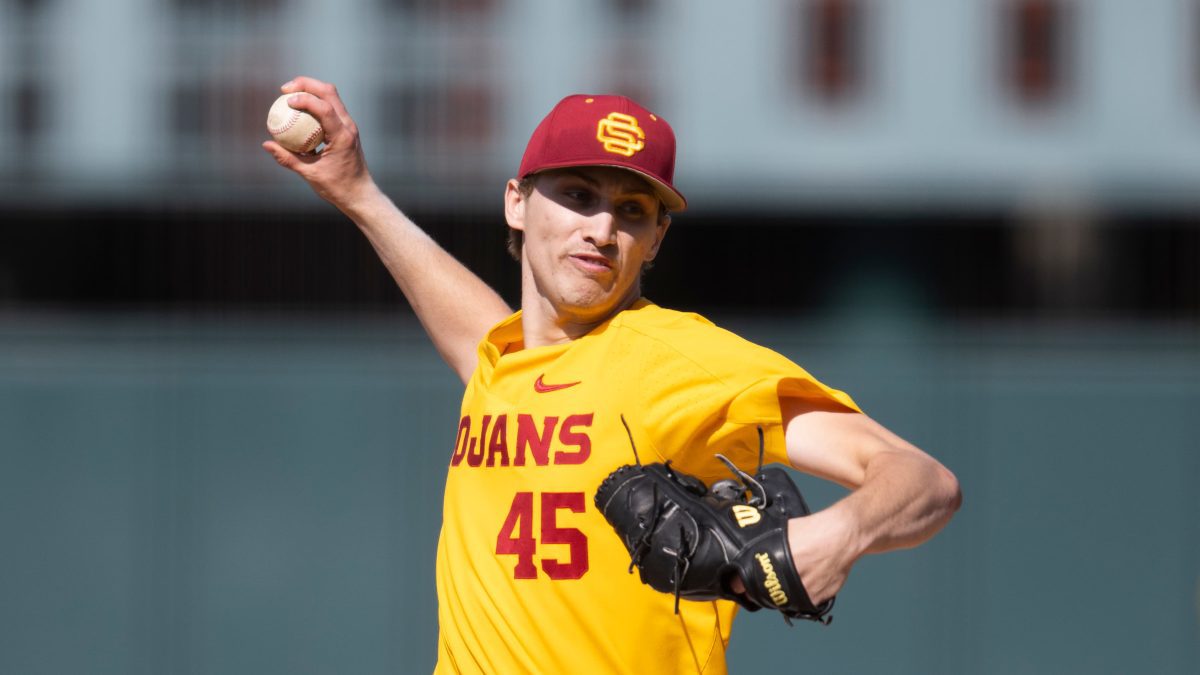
(900, 496)
(453, 304)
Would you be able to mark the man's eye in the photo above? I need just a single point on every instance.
(580, 196)
(633, 210)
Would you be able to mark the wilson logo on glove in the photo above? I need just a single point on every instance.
(745, 515)
(772, 581)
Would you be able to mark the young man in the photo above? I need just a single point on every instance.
(530, 577)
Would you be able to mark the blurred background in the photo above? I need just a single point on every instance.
(223, 436)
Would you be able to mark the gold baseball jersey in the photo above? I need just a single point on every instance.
(530, 577)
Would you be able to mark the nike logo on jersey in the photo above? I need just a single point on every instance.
(541, 387)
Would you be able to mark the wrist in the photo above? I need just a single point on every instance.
(832, 533)
(365, 203)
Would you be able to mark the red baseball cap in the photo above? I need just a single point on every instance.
(605, 130)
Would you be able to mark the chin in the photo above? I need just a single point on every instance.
(590, 299)
(594, 306)
(589, 311)
(588, 303)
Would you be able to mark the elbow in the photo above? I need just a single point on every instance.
(942, 492)
(949, 488)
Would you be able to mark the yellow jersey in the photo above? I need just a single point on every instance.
(530, 577)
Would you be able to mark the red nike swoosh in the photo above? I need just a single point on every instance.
(541, 387)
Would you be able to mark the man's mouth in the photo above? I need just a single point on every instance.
(592, 262)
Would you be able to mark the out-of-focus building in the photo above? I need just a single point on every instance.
(779, 103)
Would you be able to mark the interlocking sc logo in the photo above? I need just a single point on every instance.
(621, 134)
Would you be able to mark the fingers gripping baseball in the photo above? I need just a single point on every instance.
(327, 95)
(338, 173)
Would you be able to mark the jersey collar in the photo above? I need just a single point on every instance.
(504, 336)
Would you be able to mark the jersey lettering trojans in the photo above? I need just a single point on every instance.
(530, 578)
(532, 440)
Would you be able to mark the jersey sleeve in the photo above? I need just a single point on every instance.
(707, 391)
(757, 405)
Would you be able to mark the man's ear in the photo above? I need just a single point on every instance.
(514, 205)
(660, 233)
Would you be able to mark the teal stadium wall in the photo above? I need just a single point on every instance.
(231, 496)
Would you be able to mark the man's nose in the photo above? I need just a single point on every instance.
(600, 228)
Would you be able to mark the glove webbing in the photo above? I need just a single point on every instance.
(683, 557)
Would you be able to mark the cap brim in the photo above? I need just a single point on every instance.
(669, 196)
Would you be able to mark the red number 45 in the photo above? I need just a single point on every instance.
(516, 536)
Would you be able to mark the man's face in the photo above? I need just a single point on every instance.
(587, 233)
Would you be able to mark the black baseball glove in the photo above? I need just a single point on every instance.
(690, 539)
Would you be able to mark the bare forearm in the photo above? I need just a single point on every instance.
(454, 305)
(905, 498)
(899, 496)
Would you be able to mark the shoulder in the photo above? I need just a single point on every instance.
(651, 322)
(678, 342)
(687, 336)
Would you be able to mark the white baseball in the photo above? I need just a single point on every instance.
(294, 129)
